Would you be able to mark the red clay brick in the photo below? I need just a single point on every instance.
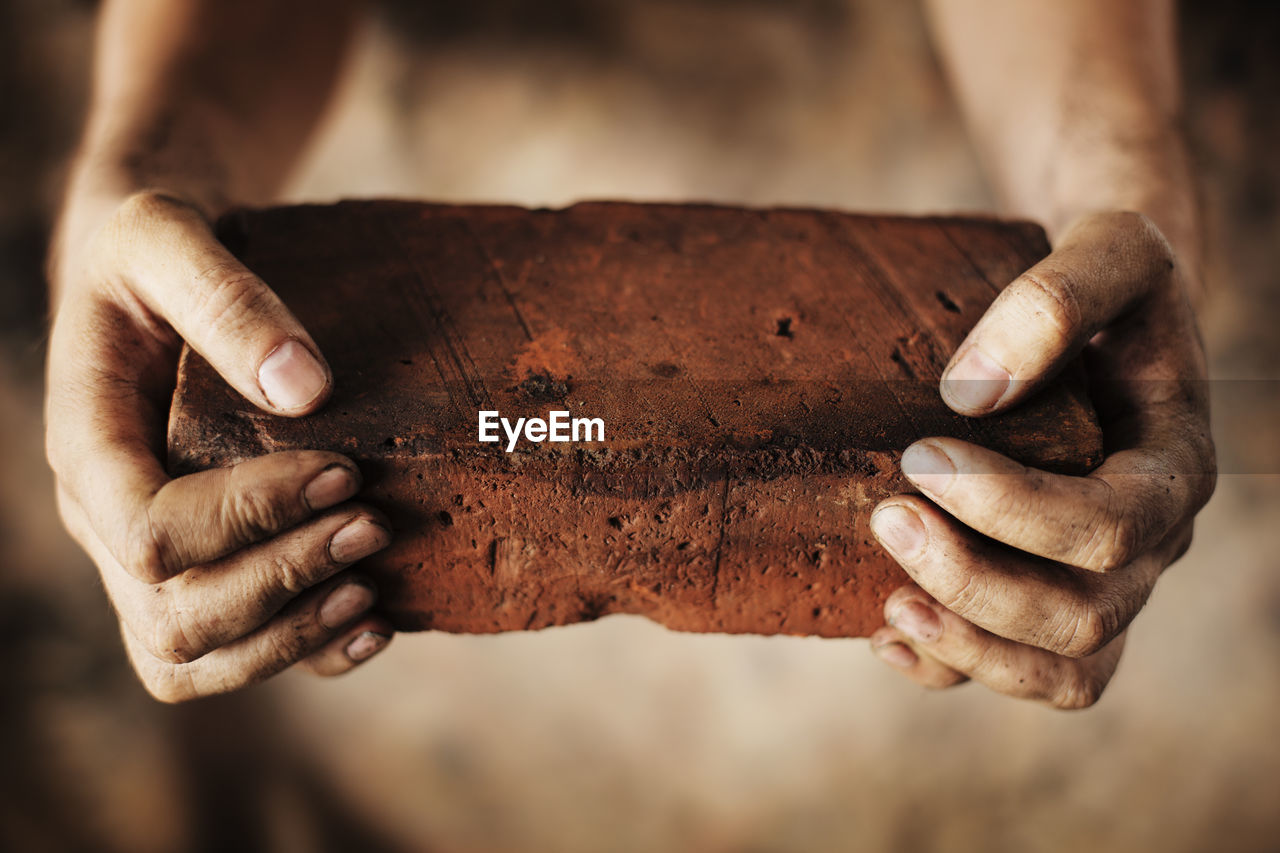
(758, 373)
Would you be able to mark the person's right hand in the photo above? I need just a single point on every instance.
(228, 576)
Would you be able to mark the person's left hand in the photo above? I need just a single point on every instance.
(1026, 581)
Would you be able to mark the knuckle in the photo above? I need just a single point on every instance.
(1129, 221)
(149, 206)
(1078, 692)
(1149, 234)
(287, 645)
(1085, 633)
(150, 552)
(978, 653)
(175, 638)
(147, 560)
(1124, 538)
(226, 295)
(254, 514)
(1151, 250)
(1113, 541)
(290, 574)
(967, 597)
(1051, 296)
(165, 681)
(1010, 511)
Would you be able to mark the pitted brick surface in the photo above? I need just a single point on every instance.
(758, 372)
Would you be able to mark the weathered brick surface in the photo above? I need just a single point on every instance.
(759, 373)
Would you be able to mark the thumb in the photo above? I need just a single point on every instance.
(225, 312)
(1102, 266)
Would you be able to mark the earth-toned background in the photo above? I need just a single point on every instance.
(620, 735)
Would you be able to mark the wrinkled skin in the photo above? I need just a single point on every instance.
(1023, 580)
(1026, 581)
(224, 577)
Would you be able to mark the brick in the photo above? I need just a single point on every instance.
(758, 372)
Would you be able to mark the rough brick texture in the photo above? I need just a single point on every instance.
(758, 372)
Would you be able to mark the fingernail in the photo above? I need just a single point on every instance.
(917, 621)
(346, 603)
(367, 645)
(290, 377)
(331, 486)
(976, 383)
(358, 539)
(899, 529)
(896, 654)
(928, 467)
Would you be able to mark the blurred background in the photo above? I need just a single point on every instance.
(620, 735)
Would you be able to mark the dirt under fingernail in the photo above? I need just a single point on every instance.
(366, 645)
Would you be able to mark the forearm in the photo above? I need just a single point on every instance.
(1075, 107)
(211, 100)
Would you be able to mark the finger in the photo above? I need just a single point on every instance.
(212, 605)
(1099, 522)
(207, 607)
(225, 312)
(895, 648)
(1016, 596)
(205, 516)
(1102, 266)
(306, 625)
(106, 410)
(1013, 669)
(349, 649)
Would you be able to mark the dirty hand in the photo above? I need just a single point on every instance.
(220, 578)
(1026, 581)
